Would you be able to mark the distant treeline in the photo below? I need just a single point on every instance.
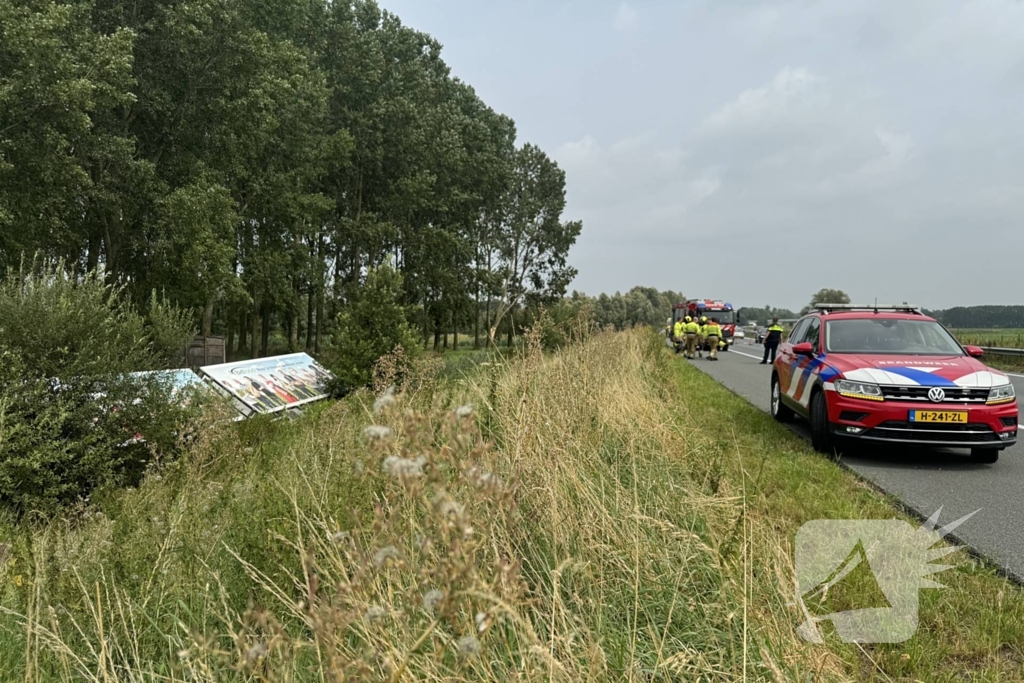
(638, 306)
(762, 316)
(648, 306)
(981, 316)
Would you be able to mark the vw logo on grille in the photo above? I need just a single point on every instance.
(936, 395)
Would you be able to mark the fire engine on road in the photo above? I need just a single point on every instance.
(709, 308)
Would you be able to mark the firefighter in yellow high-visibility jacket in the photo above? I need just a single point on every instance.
(679, 335)
(692, 329)
(702, 335)
(714, 334)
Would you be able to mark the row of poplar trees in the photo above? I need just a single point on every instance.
(254, 159)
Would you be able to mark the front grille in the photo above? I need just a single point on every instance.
(953, 394)
(851, 416)
(925, 432)
(1009, 421)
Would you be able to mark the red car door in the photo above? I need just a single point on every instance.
(786, 361)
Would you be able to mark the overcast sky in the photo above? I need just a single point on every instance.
(760, 150)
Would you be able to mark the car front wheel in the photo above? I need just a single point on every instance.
(821, 431)
(984, 456)
(780, 411)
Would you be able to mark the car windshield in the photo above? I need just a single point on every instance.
(890, 335)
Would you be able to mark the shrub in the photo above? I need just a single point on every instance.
(73, 416)
(170, 330)
(372, 325)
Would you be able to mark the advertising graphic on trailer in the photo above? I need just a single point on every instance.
(271, 384)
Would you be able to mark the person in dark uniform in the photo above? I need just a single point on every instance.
(771, 341)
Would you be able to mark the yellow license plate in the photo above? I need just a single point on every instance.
(945, 416)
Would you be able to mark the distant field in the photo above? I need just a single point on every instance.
(1006, 338)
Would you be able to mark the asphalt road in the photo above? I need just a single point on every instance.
(924, 480)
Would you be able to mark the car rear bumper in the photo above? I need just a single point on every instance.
(986, 426)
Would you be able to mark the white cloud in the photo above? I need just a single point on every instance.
(791, 88)
(897, 151)
(626, 18)
(637, 181)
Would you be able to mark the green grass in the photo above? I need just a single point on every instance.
(639, 528)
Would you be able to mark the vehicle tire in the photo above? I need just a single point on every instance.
(821, 435)
(984, 456)
(780, 411)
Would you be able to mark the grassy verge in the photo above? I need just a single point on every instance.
(604, 512)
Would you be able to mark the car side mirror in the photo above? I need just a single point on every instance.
(975, 351)
(804, 349)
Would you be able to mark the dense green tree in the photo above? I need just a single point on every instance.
(531, 243)
(826, 296)
(253, 160)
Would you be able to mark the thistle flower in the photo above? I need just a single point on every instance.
(464, 411)
(431, 599)
(376, 432)
(449, 508)
(482, 479)
(375, 614)
(381, 557)
(468, 646)
(255, 653)
(401, 468)
(385, 400)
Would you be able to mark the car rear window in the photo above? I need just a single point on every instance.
(890, 335)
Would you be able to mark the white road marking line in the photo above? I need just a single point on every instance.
(746, 354)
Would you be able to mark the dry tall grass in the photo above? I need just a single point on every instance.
(575, 525)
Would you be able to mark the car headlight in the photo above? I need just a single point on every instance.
(1003, 394)
(865, 390)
